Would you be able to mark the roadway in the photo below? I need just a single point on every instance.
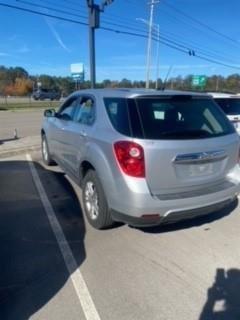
(185, 271)
(27, 123)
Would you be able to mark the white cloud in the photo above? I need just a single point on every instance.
(57, 36)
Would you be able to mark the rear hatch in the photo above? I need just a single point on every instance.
(231, 107)
(188, 142)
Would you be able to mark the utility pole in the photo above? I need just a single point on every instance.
(155, 27)
(158, 55)
(149, 47)
(94, 23)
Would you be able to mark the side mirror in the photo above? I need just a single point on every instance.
(49, 113)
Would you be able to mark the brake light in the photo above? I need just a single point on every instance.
(130, 157)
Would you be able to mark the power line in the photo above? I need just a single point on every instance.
(199, 22)
(110, 17)
(137, 28)
(195, 44)
(108, 21)
(196, 47)
(119, 32)
(104, 21)
(217, 62)
(142, 36)
(185, 23)
(83, 23)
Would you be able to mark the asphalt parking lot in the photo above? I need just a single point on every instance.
(55, 266)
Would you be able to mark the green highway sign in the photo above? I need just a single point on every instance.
(199, 81)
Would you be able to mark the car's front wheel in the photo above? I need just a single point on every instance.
(45, 152)
(94, 202)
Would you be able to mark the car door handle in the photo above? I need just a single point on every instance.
(83, 133)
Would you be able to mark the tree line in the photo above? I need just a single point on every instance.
(16, 81)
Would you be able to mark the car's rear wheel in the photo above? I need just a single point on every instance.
(94, 202)
(45, 152)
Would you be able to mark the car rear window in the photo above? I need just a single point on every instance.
(231, 106)
(173, 117)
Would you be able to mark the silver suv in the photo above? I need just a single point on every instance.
(144, 157)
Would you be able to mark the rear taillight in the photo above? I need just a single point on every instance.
(130, 157)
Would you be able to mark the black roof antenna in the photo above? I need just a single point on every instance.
(166, 78)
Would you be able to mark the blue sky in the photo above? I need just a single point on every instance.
(49, 46)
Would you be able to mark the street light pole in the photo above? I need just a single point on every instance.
(158, 55)
(94, 23)
(157, 30)
(92, 51)
(149, 47)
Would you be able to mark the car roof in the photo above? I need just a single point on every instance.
(133, 93)
(223, 95)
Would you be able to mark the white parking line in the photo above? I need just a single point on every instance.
(79, 284)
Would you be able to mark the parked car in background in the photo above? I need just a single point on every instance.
(144, 157)
(230, 104)
(43, 94)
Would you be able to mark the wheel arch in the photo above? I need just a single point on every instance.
(85, 166)
(97, 160)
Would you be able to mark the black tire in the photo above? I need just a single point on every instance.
(45, 152)
(103, 219)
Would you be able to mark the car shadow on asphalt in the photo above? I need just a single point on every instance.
(223, 297)
(32, 269)
(195, 222)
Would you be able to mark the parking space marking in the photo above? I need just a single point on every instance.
(79, 284)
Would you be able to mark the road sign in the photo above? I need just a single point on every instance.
(77, 72)
(199, 81)
(78, 76)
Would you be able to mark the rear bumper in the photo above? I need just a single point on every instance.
(136, 206)
(173, 217)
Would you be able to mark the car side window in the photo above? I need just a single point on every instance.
(67, 110)
(85, 111)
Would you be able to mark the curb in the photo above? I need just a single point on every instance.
(15, 152)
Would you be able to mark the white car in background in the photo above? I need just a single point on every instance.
(230, 104)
